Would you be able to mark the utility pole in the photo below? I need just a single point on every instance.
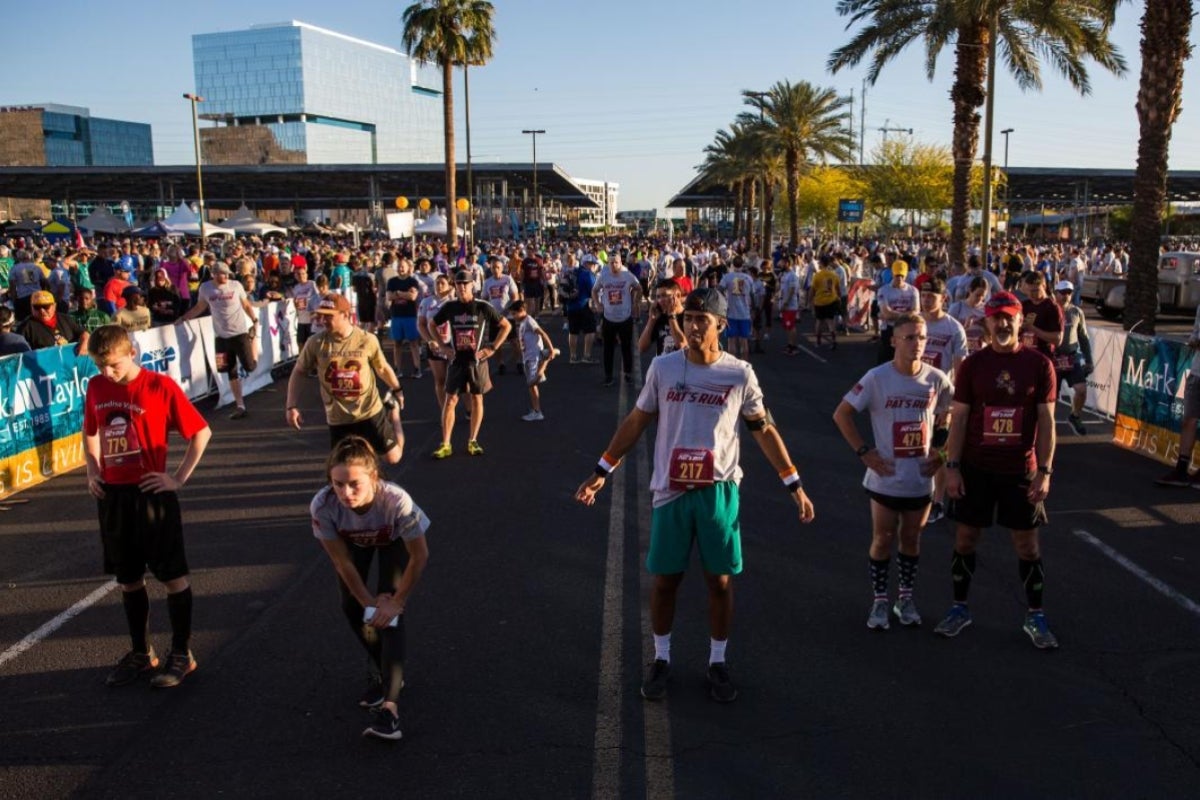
(886, 129)
(850, 116)
(537, 198)
(762, 229)
(862, 125)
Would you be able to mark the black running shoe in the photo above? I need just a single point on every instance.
(239, 413)
(133, 665)
(720, 685)
(177, 667)
(373, 696)
(385, 725)
(655, 685)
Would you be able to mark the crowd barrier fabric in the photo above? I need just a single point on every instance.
(1150, 397)
(178, 351)
(1108, 346)
(858, 304)
(276, 344)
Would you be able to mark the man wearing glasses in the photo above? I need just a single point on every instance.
(471, 321)
(48, 328)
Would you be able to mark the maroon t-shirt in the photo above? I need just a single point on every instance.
(1048, 316)
(1004, 391)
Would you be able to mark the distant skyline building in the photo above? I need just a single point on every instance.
(293, 93)
(55, 135)
(605, 194)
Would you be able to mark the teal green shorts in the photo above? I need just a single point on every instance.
(708, 517)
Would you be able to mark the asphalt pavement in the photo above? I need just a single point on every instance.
(527, 636)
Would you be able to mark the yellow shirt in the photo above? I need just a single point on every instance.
(825, 287)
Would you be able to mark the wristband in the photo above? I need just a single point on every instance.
(862, 451)
(607, 463)
(791, 479)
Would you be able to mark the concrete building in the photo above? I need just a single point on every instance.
(293, 93)
(604, 194)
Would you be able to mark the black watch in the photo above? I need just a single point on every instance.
(953, 464)
(862, 451)
(1045, 470)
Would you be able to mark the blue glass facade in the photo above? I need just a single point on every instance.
(74, 138)
(325, 97)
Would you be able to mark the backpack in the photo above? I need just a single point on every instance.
(568, 286)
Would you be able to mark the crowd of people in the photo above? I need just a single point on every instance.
(970, 360)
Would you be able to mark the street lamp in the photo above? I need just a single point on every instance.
(195, 98)
(1007, 210)
(537, 198)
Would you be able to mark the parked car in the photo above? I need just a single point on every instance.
(1178, 286)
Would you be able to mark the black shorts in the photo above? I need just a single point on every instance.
(235, 349)
(377, 430)
(828, 310)
(139, 531)
(999, 499)
(900, 503)
(469, 377)
(581, 321)
(535, 290)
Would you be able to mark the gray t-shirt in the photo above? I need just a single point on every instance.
(616, 294)
(902, 409)
(698, 409)
(901, 299)
(947, 341)
(228, 317)
(305, 297)
(393, 515)
(737, 288)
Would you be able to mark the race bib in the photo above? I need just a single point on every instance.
(691, 468)
(222, 362)
(908, 439)
(616, 297)
(497, 292)
(301, 303)
(1001, 425)
(932, 359)
(1064, 363)
(119, 444)
(974, 340)
(465, 340)
(1029, 339)
(345, 380)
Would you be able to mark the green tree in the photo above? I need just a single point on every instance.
(729, 162)
(1064, 33)
(449, 33)
(1166, 27)
(807, 124)
(909, 176)
(820, 189)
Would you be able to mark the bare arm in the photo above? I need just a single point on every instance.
(627, 435)
(954, 447)
(195, 311)
(771, 443)
(162, 482)
(91, 456)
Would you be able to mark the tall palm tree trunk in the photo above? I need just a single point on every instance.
(792, 167)
(967, 95)
(768, 218)
(1166, 26)
(737, 209)
(749, 208)
(448, 138)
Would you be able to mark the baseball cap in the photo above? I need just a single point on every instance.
(708, 301)
(332, 304)
(120, 266)
(130, 291)
(221, 268)
(41, 298)
(462, 276)
(900, 268)
(1064, 286)
(1002, 303)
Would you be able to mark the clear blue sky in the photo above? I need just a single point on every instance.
(627, 91)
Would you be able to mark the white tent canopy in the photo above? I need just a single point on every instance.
(183, 221)
(434, 225)
(102, 221)
(244, 221)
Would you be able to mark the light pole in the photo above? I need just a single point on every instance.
(195, 98)
(1007, 210)
(760, 101)
(537, 198)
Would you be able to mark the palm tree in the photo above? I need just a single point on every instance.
(1166, 26)
(1064, 32)
(804, 123)
(728, 162)
(448, 33)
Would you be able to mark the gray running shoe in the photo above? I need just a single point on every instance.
(655, 685)
(1039, 631)
(906, 612)
(878, 618)
(937, 513)
(957, 618)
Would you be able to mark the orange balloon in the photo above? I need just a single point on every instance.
(401, 202)
(463, 204)
(424, 204)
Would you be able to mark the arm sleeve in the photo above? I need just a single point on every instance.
(324, 526)
(859, 396)
(752, 401)
(184, 416)
(410, 521)
(648, 400)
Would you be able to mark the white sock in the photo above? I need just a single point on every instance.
(716, 651)
(662, 647)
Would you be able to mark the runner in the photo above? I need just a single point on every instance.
(305, 297)
(738, 290)
(895, 299)
(231, 315)
(403, 293)
(532, 280)
(537, 350)
(969, 313)
(128, 415)
(346, 360)
(789, 303)
(470, 320)
(908, 401)
(1043, 321)
(664, 323)
(945, 350)
(357, 517)
(1000, 457)
(825, 301)
(435, 335)
(617, 293)
(576, 286)
(501, 291)
(697, 395)
(1073, 358)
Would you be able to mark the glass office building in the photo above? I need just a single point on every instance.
(293, 93)
(54, 135)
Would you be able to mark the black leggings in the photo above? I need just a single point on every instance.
(610, 332)
(384, 646)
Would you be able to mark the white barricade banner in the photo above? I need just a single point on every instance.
(858, 304)
(176, 350)
(283, 322)
(1108, 346)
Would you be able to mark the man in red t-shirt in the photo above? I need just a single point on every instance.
(128, 415)
(1042, 326)
(1000, 457)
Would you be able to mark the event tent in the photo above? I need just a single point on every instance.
(434, 225)
(102, 221)
(244, 221)
(182, 222)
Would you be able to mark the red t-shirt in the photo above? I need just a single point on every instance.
(114, 291)
(1048, 316)
(1004, 391)
(685, 285)
(134, 422)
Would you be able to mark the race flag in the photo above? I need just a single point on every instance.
(78, 237)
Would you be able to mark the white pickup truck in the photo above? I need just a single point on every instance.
(1178, 286)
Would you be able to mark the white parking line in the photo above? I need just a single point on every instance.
(56, 623)
(811, 353)
(1166, 589)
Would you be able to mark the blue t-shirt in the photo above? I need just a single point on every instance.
(585, 281)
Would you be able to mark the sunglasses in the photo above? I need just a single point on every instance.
(45, 305)
(914, 337)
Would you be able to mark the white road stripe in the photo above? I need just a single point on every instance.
(1163, 588)
(811, 353)
(56, 623)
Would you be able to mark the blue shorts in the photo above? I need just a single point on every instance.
(738, 329)
(404, 329)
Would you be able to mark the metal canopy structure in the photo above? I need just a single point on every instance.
(1027, 186)
(282, 185)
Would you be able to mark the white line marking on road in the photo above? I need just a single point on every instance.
(1163, 588)
(811, 353)
(606, 764)
(56, 623)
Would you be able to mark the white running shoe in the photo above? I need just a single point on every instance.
(533, 416)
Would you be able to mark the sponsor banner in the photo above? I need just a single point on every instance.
(1150, 397)
(1108, 346)
(41, 415)
(858, 304)
(176, 350)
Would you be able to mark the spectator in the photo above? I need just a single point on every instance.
(87, 315)
(48, 328)
(135, 316)
(25, 279)
(10, 343)
(163, 298)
